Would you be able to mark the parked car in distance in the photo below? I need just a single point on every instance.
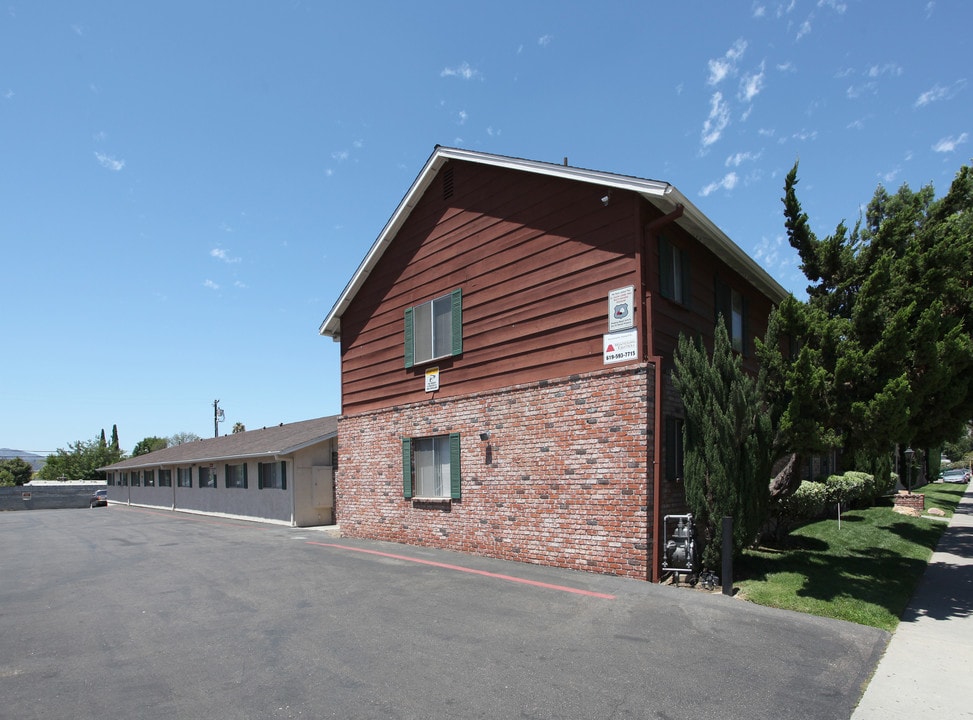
(99, 498)
(955, 476)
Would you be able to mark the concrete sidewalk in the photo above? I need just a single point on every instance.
(925, 672)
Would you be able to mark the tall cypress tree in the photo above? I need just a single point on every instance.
(727, 439)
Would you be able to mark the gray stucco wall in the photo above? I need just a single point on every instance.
(267, 504)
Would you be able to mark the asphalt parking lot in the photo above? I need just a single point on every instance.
(123, 612)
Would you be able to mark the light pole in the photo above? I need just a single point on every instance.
(909, 454)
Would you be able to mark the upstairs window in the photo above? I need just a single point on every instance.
(733, 307)
(674, 276)
(434, 329)
(431, 467)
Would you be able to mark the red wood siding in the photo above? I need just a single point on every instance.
(670, 318)
(535, 258)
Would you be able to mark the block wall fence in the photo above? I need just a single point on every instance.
(565, 478)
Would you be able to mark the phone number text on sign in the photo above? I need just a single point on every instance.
(620, 346)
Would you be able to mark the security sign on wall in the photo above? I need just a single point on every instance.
(621, 309)
(621, 346)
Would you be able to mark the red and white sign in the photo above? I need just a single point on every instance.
(620, 347)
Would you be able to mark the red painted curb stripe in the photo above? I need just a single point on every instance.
(460, 568)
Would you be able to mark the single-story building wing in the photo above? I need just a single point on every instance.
(282, 474)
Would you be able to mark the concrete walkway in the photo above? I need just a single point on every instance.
(925, 672)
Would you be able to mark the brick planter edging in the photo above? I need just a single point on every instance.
(913, 501)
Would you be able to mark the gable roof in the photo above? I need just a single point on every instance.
(662, 195)
(265, 443)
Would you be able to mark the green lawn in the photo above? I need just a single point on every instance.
(865, 572)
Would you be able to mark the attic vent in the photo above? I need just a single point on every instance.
(447, 182)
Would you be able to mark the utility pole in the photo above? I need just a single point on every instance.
(217, 418)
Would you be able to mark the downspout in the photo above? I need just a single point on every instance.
(656, 572)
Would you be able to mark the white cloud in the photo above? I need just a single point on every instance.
(721, 67)
(462, 117)
(856, 91)
(719, 118)
(889, 176)
(751, 85)
(805, 29)
(107, 161)
(239, 284)
(949, 144)
(463, 71)
(838, 7)
(938, 92)
(759, 11)
(739, 158)
(492, 131)
(767, 253)
(340, 155)
(8, 95)
(886, 69)
(221, 254)
(545, 40)
(728, 182)
(211, 285)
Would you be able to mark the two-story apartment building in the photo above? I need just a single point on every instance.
(506, 347)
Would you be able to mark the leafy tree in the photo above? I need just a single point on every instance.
(885, 332)
(239, 427)
(727, 438)
(102, 439)
(15, 471)
(181, 438)
(149, 444)
(114, 439)
(79, 462)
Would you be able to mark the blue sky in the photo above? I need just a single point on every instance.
(186, 187)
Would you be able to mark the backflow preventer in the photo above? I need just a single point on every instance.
(680, 548)
(680, 552)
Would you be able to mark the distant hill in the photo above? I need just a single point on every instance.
(36, 461)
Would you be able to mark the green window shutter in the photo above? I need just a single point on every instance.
(455, 489)
(245, 475)
(723, 304)
(226, 475)
(457, 320)
(665, 269)
(260, 476)
(407, 467)
(687, 287)
(283, 475)
(409, 339)
(746, 326)
(671, 440)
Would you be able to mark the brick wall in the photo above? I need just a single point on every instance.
(564, 479)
